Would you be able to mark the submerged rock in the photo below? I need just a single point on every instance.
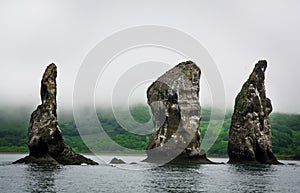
(45, 141)
(250, 130)
(174, 102)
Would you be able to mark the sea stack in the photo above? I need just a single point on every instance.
(250, 130)
(174, 102)
(45, 142)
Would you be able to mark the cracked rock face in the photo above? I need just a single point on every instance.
(45, 141)
(250, 130)
(174, 102)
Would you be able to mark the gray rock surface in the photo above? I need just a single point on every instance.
(174, 102)
(250, 130)
(45, 141)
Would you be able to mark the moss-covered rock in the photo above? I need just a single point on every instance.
(45, 141)
(250, 130)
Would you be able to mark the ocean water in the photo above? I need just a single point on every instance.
(145, 177)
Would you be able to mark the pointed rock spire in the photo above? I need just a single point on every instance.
(45, 141)
(250, 130)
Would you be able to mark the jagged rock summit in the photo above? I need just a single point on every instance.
(174, 102)
(45, 141)
(250, 130)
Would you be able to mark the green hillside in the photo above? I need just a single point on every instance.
(14, 123)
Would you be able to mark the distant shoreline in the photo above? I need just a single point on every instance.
(88, 153)
(131, 154)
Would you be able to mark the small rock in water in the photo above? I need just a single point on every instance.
(117, 161)
(291, 164)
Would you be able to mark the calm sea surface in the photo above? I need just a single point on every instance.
(144, 177)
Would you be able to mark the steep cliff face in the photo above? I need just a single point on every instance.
(250, 130)
(174, 102)
(45, 141)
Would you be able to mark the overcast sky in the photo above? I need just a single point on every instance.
(236, 34)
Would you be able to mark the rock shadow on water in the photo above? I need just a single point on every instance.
(180, 178)
(41, 178)
(253, 177)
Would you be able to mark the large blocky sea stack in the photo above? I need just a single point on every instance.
(250, 130)
(45, 141)
(174, 102)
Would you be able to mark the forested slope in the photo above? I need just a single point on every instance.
(14, 123)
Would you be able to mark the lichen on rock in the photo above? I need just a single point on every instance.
(45, 142)
(250, 130)
(174, 102)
